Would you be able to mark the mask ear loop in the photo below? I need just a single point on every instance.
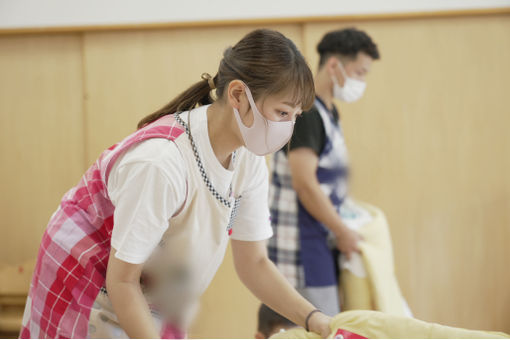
(250, 97)
(253, 105)
(342, 69)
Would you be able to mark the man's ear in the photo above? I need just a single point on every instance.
(234, 91)
(331, 65)
(259, 335)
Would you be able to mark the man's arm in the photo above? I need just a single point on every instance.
(303, 163)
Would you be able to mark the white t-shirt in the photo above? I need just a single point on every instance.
(166, 218)
(148, 185)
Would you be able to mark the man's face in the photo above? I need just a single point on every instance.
(356, 68)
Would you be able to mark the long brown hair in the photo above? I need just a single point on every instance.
(265, 60)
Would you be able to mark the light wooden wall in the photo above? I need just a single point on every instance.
(41, 135)
(428, 144)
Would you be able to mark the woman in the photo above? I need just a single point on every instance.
(133, 246)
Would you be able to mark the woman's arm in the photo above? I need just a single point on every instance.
(129, 304)
(264, 280)
(303, 163)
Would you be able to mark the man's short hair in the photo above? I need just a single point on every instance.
(269, 319)
(347, 42)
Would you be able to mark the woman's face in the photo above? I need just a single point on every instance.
(277, 108)
(264, 125)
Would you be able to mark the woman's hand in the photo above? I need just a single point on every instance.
(129, 304)
(320, 323)
(252, 264)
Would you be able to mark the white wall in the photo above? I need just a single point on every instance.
(55, 13)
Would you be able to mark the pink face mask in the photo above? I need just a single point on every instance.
(264, 136)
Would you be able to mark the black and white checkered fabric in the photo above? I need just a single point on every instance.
(201, 168)
(228, 202)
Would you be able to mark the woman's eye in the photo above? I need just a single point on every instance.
(283, 114)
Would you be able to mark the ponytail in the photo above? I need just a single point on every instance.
(265, 60)
(196, 95)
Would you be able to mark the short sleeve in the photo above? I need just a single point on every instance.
(146, 194)
(308, 132)
(252, 222)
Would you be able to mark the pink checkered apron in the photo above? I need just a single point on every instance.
(71, 263)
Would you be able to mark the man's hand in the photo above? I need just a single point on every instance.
(347, 241)
(303, 164)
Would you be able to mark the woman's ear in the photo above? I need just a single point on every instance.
(234, 91)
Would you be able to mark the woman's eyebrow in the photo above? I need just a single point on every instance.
(290, 104)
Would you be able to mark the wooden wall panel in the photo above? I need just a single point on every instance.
(131, 74)
(429, 145)
(41, 135)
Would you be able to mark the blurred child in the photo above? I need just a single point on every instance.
(271, 323)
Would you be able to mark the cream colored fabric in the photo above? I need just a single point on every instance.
(377, 325)
(377, 287)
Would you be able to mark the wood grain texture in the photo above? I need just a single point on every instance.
(41, 135)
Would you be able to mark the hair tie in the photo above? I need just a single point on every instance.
(307, 327)
(210, 80)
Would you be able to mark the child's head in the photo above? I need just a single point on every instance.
(271, 322)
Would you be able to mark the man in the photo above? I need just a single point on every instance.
(309, 176)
